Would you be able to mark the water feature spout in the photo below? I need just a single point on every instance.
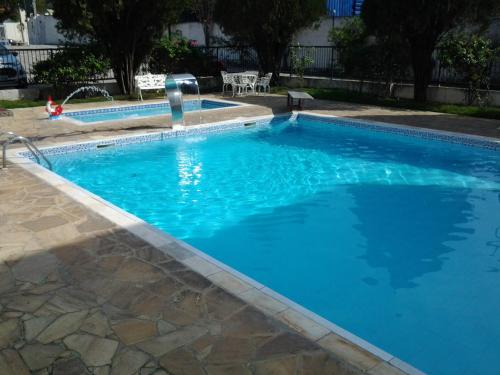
(174, 85)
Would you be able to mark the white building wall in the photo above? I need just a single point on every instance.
(16, 31)
(42, 30)
(190, 30)
(194, 31)
(316, 35)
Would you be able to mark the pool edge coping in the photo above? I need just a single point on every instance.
(412, 131)
(295, 316)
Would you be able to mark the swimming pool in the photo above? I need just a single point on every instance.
(130, 112)
(393, 237)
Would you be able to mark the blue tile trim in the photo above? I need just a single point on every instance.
(212, 128)
(430, 134)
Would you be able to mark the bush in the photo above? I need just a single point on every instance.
(179, 55)
(300, 60)
(470, 56)
(381, 58)
(71, 66)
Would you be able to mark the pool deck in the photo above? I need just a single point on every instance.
(82, 294)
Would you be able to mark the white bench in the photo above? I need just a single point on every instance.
(149, 82)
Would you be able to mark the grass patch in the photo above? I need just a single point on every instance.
(362, 98)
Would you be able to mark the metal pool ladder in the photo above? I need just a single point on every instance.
(13, 137)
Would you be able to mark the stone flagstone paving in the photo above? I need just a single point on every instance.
(80, 296)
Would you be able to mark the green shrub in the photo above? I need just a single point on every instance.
(178, 55)
(471, 57)
(300, 60)
(71, 66)
(366, 57)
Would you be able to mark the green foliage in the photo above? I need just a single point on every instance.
(9, 9)
(71, 66)
(267, 25)
(174, 47)
(177, 55)
(420, 24)
(381, 59)
(470, 56)
(351, 41)
(300, 59)
(125, 30)
(352, 33)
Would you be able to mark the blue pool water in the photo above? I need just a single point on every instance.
(139, 111)
(394, 238)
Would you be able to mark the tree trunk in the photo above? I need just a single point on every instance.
(125, 71)
(118, 73)
(422, 66)
(207, 28)
(270, 60)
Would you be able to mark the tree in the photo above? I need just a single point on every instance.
(471, 56)
(361, 57)
(9, 9)
(267, 25)
(41, 6)
(421, 24)
(125, 30)
(204, 11)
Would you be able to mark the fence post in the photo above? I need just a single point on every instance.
(331, 63)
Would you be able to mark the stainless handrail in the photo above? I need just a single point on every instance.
(13, 137)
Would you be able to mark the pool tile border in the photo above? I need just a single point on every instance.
(238, 123)
(329, 336)
(411, 131)
(69, 115)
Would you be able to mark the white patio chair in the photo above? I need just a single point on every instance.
(227, 80)
(252, 81)
(240, 84)
(264, 83)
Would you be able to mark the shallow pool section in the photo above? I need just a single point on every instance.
(141, 111)
(394, 238)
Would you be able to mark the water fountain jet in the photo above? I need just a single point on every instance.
(91, 89)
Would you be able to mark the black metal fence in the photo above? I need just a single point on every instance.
(29, 57)
(325, 62)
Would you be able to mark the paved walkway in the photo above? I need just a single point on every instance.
(78, 295)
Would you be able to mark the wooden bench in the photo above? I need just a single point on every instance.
(297, 95)
(149, 82)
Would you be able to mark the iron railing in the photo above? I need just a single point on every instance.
(29, 57)
(326, 63)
